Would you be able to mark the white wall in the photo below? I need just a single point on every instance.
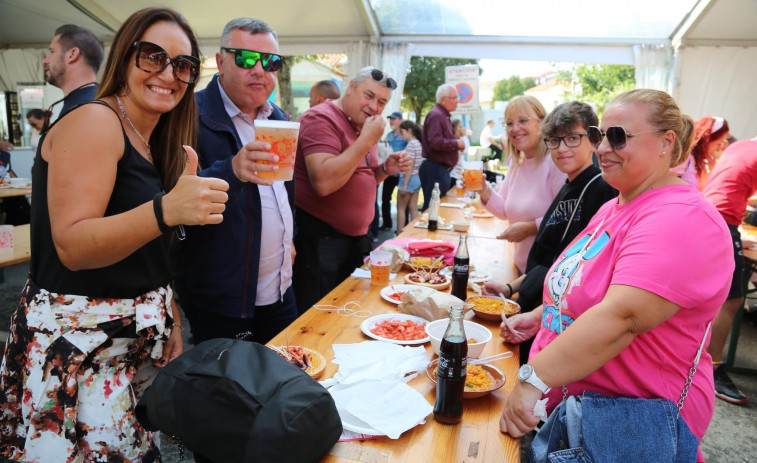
(719, 81)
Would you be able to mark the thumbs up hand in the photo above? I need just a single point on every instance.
(195, 200)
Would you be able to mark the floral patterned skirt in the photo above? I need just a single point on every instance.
(72, 372)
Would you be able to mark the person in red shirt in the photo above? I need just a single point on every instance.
(336, 173)
(729, 186)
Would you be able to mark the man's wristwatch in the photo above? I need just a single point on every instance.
(527, 374)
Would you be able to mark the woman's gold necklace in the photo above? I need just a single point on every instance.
(126, 116)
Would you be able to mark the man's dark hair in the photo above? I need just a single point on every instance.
(85, 40)
(35, 113)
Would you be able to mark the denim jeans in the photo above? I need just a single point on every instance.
(596, 428)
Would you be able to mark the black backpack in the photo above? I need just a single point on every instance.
(238, 401)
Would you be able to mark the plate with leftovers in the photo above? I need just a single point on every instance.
(393, 293)
(431, 279)
(491, 307)
(476, 275)
(310, 361)
(396, 328)
(482, 213)
(479, 381)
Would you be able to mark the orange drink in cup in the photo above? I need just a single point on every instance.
(282, 135)
(473, 175)
(381, 262)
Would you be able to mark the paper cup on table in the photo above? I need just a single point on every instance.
(381, 262)
(282, 135)
(6, 238)
(473, 175)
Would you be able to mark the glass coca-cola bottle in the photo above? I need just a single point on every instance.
(460, 269)
(452, 370)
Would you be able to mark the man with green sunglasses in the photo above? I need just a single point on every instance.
(235, 278)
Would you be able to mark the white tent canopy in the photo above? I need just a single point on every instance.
(704, 52)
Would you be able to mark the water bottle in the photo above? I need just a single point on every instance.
(433, 208)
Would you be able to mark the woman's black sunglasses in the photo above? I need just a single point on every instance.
(247, 59)
(616, 136)
(378, 76)
(152, 58)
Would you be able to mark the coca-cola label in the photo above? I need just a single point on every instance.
(451, 368)
(461, 268)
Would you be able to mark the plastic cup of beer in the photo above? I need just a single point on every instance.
(460, 189)
(473, 175)
(6, 238)
(381, 262)
(282, 135)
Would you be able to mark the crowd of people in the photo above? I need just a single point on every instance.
(169, 201)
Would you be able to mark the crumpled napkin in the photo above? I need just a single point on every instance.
(540, 409)
(362, 273)
(370, 386)
(390, 407)
(375, 361)
(457, 205)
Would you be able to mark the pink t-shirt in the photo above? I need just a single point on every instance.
(525, 196)
(668, 241)
(349, 210)
(733, 180)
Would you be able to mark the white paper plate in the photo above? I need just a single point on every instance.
(369, 323)
(483, 216)
(479, 275)
(354, 424)
(391, 289)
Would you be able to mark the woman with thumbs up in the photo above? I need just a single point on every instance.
(97, 313)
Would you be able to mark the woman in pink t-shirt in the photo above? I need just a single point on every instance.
(627, 304)
(532, 180)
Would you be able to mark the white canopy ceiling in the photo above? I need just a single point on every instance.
(594, 31)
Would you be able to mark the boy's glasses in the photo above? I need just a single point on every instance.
(152, 58)
(571, 141)
(247, 59)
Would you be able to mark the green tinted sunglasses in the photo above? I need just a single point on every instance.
(247, 59)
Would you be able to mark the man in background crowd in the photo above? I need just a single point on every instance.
(322, 91)
(398, 144)
(440, 147)
(75, 57)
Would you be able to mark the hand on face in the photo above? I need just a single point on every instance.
(373, 129)
(246, 163)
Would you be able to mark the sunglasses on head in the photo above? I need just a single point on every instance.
(378, 76)
(616, 136)
(152, 58)
(247, 59)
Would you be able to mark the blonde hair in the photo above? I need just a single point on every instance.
(530, 106)
(664, 115)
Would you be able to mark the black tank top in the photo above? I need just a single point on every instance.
(137, 181)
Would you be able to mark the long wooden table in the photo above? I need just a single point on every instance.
(9, 191)
(21, 247)
(477, 438)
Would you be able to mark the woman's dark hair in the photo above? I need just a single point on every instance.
(175, 128)
(566, 116)
(412, 126)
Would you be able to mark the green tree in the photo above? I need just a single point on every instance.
(426, 74)
(514, 86)
(284, 78)
(600, 83)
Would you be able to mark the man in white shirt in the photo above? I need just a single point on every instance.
(490, 141)
(234, 279)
